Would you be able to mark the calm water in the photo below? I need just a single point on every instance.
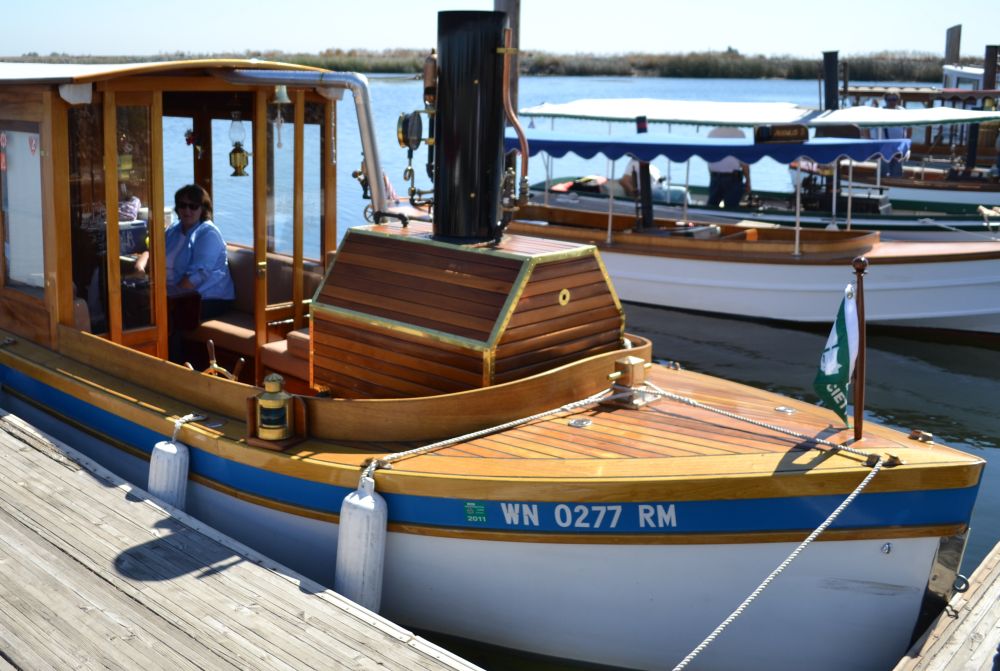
(948, 389)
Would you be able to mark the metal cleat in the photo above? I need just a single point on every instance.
(628, 381)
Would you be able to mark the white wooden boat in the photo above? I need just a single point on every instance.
(558, 502)
(769, 273)
(929, 224)
(927, 204)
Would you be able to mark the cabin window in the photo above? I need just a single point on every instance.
(21, 209)
(232, 195)
(281, 214)
(179, 143)
(134, 190)
(87, 211)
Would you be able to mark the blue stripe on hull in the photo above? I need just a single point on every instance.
(916, 508)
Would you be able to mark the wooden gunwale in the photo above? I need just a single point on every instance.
(780, 468)
(574, 538)
(815, 249)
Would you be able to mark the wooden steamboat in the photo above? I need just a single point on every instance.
(546, 487)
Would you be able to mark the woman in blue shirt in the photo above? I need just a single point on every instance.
(196, 253)
(196, 258)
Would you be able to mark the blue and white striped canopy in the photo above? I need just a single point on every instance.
(648, 147)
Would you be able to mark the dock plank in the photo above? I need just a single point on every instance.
(966, 635)
(98, 575)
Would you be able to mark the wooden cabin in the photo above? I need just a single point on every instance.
(82, 155)
(85, 190)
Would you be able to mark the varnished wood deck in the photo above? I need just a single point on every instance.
(670, 440)
(96, 576)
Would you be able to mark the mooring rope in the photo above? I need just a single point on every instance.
(870, 457)
(781, 567)
(872, 460)
(398, 456)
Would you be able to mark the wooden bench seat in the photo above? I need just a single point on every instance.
(289, 356)
(234, 331)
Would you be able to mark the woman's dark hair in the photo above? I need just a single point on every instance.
(192, 193)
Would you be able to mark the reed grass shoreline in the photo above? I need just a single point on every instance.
(728, 64)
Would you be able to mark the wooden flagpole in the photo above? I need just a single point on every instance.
(860, 264)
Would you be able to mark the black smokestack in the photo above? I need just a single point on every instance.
(469, 126)
(830, 66)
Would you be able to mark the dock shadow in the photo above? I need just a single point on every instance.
(178, 552)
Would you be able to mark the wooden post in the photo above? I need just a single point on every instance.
(860, 264)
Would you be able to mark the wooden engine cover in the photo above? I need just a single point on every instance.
(400, 314)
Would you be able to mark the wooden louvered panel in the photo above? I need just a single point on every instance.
(566, 268)
(555, 354)
(540, 328)
(532, 246)
(348, 273)
(397, 342)
(442, 288)
(382, 365)
(450, 329)
(407, 367)
(426, 315)
(573, 284)
(342, 385)
(425, 261)
(551, 310)
(401, 285)
(560, 333)
(397, 284)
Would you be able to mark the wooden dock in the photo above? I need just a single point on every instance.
(966, 635)
(97, 575)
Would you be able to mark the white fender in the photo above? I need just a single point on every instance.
(364, 519)
(168, 472)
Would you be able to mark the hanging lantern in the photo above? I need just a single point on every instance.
(239, 159)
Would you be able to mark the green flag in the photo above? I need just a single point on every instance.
(837, 363)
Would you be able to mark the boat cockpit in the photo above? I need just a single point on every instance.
(90, 159)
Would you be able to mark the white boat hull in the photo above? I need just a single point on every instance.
(918, 227)
(618, 604)
(903, 196)
(641, 606)
(960, 295)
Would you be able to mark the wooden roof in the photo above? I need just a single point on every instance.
(80, 73)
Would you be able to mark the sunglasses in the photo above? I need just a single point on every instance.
(187, 206)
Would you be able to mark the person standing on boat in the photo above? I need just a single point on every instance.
(630, 178)
(728, 179)
(196, 259)
(894, 166)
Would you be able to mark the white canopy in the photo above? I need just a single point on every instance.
(696, 112)
(868, 117)
(710, 113)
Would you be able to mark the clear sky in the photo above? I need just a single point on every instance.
(768, 27)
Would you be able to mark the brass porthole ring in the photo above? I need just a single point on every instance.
(564, 297)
